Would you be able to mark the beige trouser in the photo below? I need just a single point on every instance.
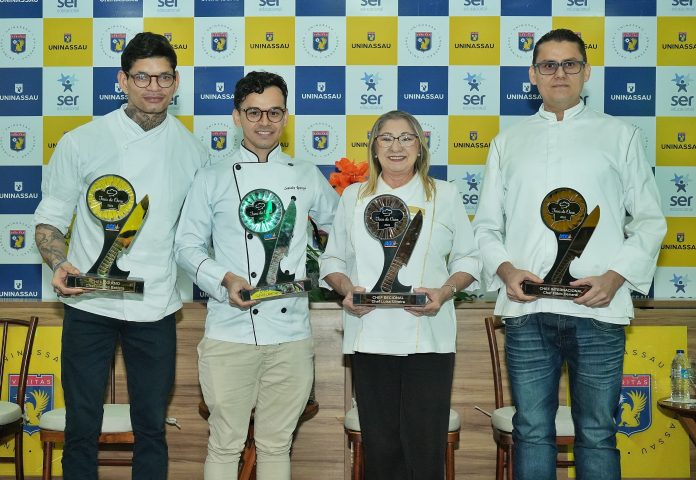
(235, 378)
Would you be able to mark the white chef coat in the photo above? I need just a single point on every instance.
(160, 163)
(445, 246)
(211, 214)
(603, 159)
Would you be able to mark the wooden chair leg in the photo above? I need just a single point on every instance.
(248, 457)
(509, 462)
(499, 463)
(47, 461)
(19, 455)
(358, 463)
(449, 461)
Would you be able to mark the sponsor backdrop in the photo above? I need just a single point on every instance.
(459, 65)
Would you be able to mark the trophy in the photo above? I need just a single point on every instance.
(387, 220)
(261, 213)
(564, 211)
(111, 199)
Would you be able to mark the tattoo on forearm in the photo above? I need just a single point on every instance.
(51, 244)
(147, 121)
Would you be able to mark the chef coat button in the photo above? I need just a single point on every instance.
(255, 311)
(253, 274)
(293, 198)
(250, 236)
(291, 164)
(283, 310)
(287, 272)
(238, 167)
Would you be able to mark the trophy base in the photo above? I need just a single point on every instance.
(279, 290)
(559, 292)
(382, 299)
(106, 284)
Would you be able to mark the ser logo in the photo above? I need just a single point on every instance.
(474, 81)
(67, 82)
(473, 181)
(371, 80)
(679, 282)
(682, 83)
(681, 182)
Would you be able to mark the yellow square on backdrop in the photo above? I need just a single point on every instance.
(371, 40)
(179, 32)
(676, 41)
(269, 41)
(470, 137)
(54, 129)
(287, 139)
(358, 129)
(679, 245)
(67, 42)
(591, 29)
(474, 41)
(187, 120)
(675, 141)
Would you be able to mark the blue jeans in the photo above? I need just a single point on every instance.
(149, 352)
(536, 346)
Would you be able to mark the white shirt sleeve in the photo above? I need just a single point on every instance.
(464, 256)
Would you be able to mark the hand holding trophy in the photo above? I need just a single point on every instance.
(111, 199)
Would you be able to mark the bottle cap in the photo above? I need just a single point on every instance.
(680, 351)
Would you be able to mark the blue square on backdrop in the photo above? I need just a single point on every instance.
(320, 90)
(525, 8)
(438, 171)
(106, 93)
(20, 91)
(517, 94)
(629, 91)
(21, 10)
(20, 282)
(422, 90)
(199, 295)
(327, 170)
(221, 8)
(425, 8)
(214, 89)
(20, 189)
(631, 8)
(331, 8)
(117, 8)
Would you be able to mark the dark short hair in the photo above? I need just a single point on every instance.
(257, 82)
(560, 35)
(147, 45)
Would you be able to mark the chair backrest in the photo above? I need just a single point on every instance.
(494, 324)
(5, 325)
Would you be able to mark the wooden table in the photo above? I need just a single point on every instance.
(686, 413)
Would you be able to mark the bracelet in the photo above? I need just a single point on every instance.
(57, 265)
(452, 287)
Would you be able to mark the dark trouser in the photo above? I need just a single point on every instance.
(403, 405)
(149, 351)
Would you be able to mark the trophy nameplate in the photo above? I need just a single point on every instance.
(564, 211)
(111, 200)
(387, 220)
(262, 213)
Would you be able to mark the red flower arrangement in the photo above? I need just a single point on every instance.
(348, 172)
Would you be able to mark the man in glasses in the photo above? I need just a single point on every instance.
(563, 162)
(132, 152)
(253, 209)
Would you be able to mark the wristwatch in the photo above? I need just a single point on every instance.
(452, 287)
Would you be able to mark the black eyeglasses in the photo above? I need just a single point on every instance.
(274, 114)
(570, 67)
(143, 80)
(386, 140)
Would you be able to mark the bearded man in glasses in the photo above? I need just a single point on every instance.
(253, 209)
(583, 171)
(102, 169)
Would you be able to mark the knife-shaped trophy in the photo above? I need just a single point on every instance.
(564, 211)
(111, 199)
(261, 213)
(387, 220)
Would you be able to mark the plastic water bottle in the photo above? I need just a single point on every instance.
(680, 377)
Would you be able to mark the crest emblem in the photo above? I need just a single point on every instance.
(168, 36)
(18, 43)
(269, 36)
(424, 86)
(18, 141)
(18, 239)
(320, 41)
(18, 284)
(118, 42)
(219, 87)
(630, 87)
(371, 37)
(682, 36)
(424, 41)
(634, 414)
(474, 36)
(681, 137)
(526, 87)
(19, 88)
(320, 139)
(321, 86)
(218, 41)
(18, 186)
(67, 38)
(681, 237)
(525, 41)
(38, 398)
(473, 135)
(218, 140)
(631, 41)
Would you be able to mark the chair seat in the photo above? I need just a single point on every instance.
(502, 420)
(9, 412)
(116, 419)
(352, 422)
